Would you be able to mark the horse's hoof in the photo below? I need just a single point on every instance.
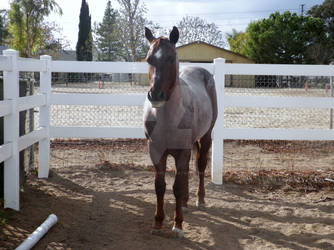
(185, 210)
(179, 232)
(200, 205)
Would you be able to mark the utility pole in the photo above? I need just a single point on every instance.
(302, 9)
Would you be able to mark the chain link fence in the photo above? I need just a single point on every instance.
(292, 86)
(237, 154)
(265, 155)
(248, 155)
(100, 116)
(280, 83)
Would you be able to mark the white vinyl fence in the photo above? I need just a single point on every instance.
(10, 107)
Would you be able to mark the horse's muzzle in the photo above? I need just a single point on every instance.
(156, 97)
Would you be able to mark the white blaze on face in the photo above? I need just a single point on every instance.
(158, 54)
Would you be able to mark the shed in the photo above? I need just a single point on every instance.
(202, 52)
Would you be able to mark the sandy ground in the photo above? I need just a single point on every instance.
(103, 195)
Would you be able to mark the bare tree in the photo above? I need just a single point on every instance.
(131, 23)
(194, 29)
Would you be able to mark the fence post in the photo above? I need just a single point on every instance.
(44, 119)
(11, 134)
(332, 94)
(218, 138)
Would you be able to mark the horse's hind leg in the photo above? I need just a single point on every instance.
(185, 195)
(160, 188)
(201, 160)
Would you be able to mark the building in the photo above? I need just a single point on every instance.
(70, 55)
(66, 55)
(201, 52)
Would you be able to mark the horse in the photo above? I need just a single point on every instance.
(180, 111)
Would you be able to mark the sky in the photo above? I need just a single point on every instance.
(226, 14)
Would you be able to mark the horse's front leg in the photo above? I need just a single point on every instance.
(180, 187)
(160, 188)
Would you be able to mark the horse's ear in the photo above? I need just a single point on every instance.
(148, 34)
(174, 35)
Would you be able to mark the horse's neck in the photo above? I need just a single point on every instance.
(175, 99)
(174, 106)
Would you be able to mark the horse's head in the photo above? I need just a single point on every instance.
(163, 66)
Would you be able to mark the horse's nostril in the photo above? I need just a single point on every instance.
(149, 95)
(156, 95)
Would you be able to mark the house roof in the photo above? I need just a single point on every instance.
(67, 55)
(213, 46)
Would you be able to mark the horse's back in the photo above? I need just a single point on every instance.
(199, 87)
(202, 86)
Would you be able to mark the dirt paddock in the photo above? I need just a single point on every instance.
(275, 196)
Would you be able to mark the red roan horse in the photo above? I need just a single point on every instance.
(179, 114)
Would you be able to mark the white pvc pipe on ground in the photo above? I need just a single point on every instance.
(38, 233)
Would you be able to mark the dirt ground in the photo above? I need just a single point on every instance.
(274, 196)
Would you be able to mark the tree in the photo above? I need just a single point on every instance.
(130, 26)
(25, 24)
(85, 41)
(284, 38)
(106, 38)
(3, 26)
(26, 18)
(194, 29)
(53, 45)
(237, 41)
(325, 12)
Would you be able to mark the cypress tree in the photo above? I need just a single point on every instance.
(85, 41)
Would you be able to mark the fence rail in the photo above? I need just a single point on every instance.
(5, 152)
(278, 69)
(99, 67)
(278, 102)
(11, 64)
(98, 99)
